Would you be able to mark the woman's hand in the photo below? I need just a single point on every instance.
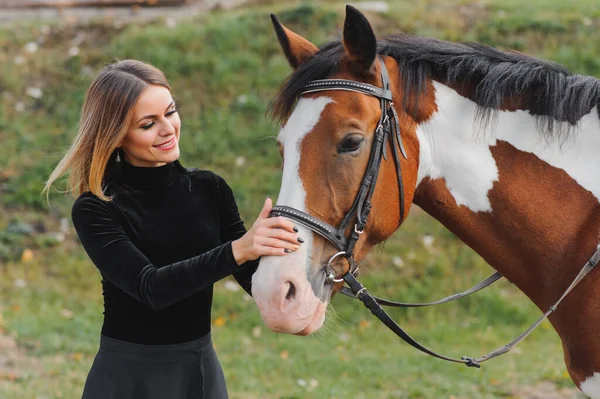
(274, 236)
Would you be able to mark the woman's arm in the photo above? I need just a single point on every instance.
(232, 228)
(119, 261)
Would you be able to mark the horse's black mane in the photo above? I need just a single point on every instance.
(549, 90)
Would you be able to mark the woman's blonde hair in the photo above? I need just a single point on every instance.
(105, 118)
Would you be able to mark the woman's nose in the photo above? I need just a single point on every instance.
(167, 128)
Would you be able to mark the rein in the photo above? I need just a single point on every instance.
(388, 128)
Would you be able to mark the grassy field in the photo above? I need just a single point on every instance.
(224, 69)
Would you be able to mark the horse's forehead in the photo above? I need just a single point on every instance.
(304, 118)
(310, 110)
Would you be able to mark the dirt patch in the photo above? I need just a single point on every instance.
(14, 363)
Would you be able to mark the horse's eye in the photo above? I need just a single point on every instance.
(350, 143)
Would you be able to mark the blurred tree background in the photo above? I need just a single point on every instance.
(225, 65)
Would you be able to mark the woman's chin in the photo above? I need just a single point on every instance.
(168, 157)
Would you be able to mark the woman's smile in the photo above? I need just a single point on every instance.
(168, 145)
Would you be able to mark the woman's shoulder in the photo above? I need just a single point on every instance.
(205, 176)
(89, 202)
(88, 197)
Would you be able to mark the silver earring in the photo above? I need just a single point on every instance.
(118, 155)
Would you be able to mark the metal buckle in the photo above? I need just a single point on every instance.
(330, 278)
(357, 231)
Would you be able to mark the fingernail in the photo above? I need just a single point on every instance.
(295, 229)
(287, 251)
(300, 239)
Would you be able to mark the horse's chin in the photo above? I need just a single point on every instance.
(299, 326)
(316, 322)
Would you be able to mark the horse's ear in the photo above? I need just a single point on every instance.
(296, 48)
(359, 40)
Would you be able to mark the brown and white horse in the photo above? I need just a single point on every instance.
(503, 149)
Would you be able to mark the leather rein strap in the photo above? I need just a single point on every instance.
(372, 304)
(384, 302)
(389, 128)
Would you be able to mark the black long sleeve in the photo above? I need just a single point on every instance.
(232, 229)
(159, 245)
(119, 261)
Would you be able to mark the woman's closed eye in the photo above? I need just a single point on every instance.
(150, 124)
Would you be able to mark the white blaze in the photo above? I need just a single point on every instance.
(301, 122)
(275, 270)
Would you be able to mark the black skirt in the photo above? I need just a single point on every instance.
(124, 370)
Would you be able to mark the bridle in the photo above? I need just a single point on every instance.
(388, 129)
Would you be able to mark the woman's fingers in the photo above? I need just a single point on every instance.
(268, 205)
(282, 223)
(272, 236)
(277, 221)
(282, 235)
(272, 251)
(277, 243)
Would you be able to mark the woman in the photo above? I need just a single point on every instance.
(161, 235)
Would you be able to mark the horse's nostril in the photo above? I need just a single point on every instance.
(291, 291)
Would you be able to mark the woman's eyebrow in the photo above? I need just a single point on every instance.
(154, 116)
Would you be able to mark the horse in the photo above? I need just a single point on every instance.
(501, 148)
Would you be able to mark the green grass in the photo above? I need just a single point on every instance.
(57, 316)
(224, 69)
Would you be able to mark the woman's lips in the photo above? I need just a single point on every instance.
(166, 146)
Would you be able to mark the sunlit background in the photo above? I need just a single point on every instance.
(224, 64)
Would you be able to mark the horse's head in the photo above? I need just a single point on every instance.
(328, 144)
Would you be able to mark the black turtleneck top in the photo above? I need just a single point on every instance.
(160, 244)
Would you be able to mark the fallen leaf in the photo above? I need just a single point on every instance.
(256, 331)
(8, 376)
(364, 324)
(219, 321)
(27, 255)
(284, 355)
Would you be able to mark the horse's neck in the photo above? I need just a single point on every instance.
(527, 204)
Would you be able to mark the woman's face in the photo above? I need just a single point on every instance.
(153, 135)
